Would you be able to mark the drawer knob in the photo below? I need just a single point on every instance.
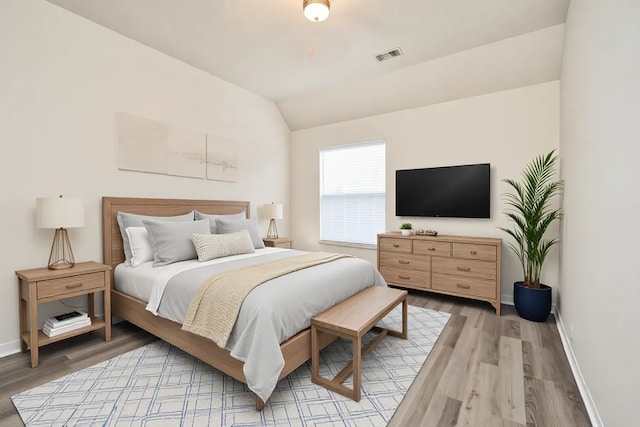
(75, 285)
(431, 249)
(395, 245)
(464, 268)
(404, 277)
(463, 286)
(403, 261)
(474, 253)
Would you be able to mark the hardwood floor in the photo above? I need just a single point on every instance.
(483, 371)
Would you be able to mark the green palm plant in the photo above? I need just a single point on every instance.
(531, 212)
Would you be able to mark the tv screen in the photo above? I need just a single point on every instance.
(451, 191)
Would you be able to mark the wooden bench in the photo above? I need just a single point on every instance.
(352, 319)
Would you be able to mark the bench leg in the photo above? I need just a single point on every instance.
(315, 355)
(357, 359)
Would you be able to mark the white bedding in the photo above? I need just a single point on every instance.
(140, 282)
(270, 314)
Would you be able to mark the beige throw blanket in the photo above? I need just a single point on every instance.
(215, 306)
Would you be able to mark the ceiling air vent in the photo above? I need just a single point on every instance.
(384, 56)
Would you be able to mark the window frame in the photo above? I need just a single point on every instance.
(374, 245)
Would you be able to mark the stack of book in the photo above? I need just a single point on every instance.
(65, 323)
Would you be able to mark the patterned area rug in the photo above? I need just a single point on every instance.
(159, 385)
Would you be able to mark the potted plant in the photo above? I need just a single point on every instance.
(406, 229)
(530, 210)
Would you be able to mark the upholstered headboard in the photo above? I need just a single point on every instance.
(113, 252)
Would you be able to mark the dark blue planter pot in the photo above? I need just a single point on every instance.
(532, 303)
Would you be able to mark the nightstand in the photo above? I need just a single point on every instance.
(41, 285)
(281, 242)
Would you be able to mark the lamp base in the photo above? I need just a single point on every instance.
(61, 255)
(272, 233)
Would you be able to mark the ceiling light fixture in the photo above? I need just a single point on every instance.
(316, 10)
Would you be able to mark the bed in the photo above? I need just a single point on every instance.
(295, 350)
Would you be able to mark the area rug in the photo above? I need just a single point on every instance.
(159, 385)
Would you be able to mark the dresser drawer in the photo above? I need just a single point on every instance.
(66, 285)
(464, 268)
(411, 278)
(464, 285)
(390, 244)
(474, 251)
(406, 261)
(426, 247)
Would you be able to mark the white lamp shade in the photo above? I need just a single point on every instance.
(274, 210)
(316, 10)
(59, 212)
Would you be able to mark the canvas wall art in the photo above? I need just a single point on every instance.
(146, 145)
(222, 158)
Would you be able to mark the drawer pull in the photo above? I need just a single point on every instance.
(403, 261)
(404, 277)
(464, 268)
(474, 252)
(395, 245)
(431, 249)
(75, 285)
(460, 285)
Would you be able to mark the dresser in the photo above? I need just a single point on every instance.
(454, 265)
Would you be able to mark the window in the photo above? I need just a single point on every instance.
(352, 193)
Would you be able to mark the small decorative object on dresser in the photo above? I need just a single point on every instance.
(406, 229)
(41, 285)
(463, 266)
(281, 242)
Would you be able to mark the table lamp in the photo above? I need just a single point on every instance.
(273, 211)
(60, 213)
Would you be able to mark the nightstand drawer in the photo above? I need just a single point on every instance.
(66, 285)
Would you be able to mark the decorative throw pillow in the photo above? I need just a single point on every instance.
(211, 246)
(212, 218)
(226, 226)
(126, 220)
(170, 239)
(141, 250)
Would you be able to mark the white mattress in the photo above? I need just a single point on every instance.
(139, 281)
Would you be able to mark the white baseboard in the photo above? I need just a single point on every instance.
(594, 416)
(9, 348)
(506, 299)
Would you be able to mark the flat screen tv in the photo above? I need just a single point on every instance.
(450, 191)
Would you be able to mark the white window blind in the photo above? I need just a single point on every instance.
(352, 192)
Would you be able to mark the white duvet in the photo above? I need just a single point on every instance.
(272, 313)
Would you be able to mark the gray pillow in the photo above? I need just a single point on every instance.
(126, 220)
(226, 226)
(212, 218)
(171, 240)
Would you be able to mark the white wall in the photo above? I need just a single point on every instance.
(506, 129)
(62, 80)
(600, 146)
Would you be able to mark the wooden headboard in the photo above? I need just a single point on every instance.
(112, 249)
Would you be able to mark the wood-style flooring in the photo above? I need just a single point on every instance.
(483, 371)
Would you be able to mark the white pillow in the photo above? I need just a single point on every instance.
(140, 245)
(210, 246)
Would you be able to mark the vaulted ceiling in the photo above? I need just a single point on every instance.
(269, 48)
